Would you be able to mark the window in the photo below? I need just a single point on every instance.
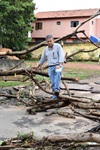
(92, 22)
(58, 23)
(38, 26)
(74, 23)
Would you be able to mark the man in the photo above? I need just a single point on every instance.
(54, 56)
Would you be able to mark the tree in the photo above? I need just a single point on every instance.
(83, 106)
(16, 17)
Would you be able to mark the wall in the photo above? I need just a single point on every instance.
(7, 64)
(50, 27)
(97, 27)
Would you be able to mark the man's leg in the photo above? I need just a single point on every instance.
(57, 80)
(52, 73)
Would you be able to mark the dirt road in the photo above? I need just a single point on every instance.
(82, 65)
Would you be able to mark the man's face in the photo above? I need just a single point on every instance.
(50, 42)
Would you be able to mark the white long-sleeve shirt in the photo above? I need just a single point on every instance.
(53, 56)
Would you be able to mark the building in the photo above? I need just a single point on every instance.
(61, 23)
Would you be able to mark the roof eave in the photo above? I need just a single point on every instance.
(63, 17)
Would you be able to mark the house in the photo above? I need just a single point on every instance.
(61, 23)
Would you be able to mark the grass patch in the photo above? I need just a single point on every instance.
(9, 83)
(40, 78)
(80, 73)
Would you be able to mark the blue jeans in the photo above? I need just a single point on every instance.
(55, 77)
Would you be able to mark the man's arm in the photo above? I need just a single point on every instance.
(42, 60)
(61, 56)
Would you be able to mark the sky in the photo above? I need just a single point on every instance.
(54, 5)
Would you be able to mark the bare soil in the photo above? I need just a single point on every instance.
(82, 65)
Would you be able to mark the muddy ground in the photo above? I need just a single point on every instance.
(14, 118)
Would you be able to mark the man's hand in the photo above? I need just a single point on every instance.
(59, 66)
(38, 67)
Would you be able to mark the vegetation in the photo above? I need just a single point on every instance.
(16, 17)
(81, 73)
(71, 48)
(9, 83)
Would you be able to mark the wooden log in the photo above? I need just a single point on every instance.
(8, 147)
(87, 106)
(86, 115)
(66, 114)
(22, 71)
(81, 137)
(95, 113)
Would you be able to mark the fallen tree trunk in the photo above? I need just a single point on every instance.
(81, 137)
(95, 113)
(86, 115)
(91, 105)
(22, 71)
(17, 53)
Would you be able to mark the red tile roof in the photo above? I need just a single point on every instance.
(66, 13)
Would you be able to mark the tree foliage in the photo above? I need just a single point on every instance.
(16, 17)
